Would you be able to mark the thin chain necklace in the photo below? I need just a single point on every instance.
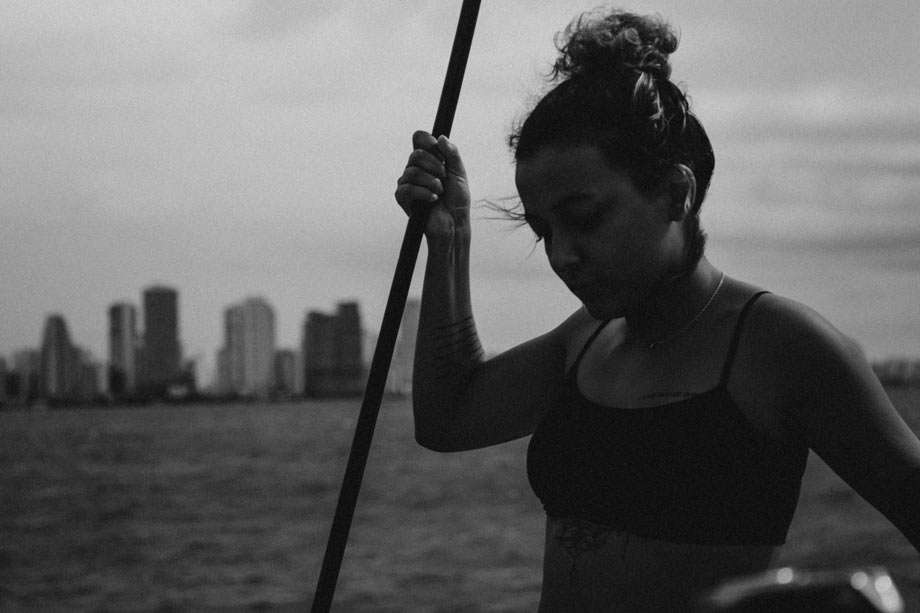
(693, 320)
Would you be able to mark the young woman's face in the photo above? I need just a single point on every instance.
(608, 241)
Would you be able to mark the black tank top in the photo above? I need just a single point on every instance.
(692, 471)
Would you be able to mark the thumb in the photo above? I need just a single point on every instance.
(451, 154)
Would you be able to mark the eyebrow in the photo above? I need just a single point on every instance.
(566, 201)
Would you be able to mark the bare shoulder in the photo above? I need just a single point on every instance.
(810, 382)
(789, 355)
(781, 327)
(572, 334)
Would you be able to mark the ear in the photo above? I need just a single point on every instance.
(682, 191)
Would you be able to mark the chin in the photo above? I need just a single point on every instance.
(602, 311)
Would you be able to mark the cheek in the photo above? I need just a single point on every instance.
(631, 247)
(559, 265)
(611, 252)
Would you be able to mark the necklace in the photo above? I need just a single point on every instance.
(694, 319)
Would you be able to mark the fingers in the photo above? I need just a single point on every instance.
(409, 195)
(451, 155)
(427, 162)
(423, 140)
(434, 171)
(419, 177)
(443, 149)
(421, 181)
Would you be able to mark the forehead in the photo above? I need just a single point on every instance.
(555, 175)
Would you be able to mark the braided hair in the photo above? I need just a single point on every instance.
(613, 91)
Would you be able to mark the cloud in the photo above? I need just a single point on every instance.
(268, 19)
(235, 147)
(891, 251)
(824, 112)
(87, 44)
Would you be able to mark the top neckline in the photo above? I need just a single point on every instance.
(675, 404)
(720, 386)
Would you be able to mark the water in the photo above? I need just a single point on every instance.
(161, 508)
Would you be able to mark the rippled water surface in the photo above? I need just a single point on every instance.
(229, 506)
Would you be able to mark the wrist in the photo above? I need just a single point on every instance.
(447, 239)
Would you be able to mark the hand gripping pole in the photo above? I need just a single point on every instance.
(396, 303)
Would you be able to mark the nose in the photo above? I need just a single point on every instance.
(563, 251)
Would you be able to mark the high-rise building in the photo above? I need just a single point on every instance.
(248, 359)
(298, 373)
(318, 348)
(222, 384)
(59, 370)
(88, 370)
(26, 380)
(3, 380)
(399, 379)
(332, 348)
(188, 379)
(162, 353)
(232, 366)
(286, 372)
(123, 350)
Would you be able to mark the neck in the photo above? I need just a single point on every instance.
(672, 303)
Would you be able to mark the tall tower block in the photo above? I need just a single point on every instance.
(58, 370)
(162, 353)
(249, 345)
(123, 347)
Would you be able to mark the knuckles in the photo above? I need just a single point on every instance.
(424, 178)
(423, 140)
(427, 161)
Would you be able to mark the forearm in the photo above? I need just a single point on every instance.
(448, 348)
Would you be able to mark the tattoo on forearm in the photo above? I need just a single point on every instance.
(465, 322)
(461, 341)
(453, 347)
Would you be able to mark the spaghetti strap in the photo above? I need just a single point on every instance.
(736, 337)
(573, 370)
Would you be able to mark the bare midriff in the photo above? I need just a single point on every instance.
(590, 567)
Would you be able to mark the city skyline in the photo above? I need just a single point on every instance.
(250, 363)
(249, 341)
(127, 310)
(234, 149)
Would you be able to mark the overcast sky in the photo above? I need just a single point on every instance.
(232, 149)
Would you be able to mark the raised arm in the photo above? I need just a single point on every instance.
(460, 400)
(835, 401)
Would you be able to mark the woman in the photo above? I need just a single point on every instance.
(671, 414)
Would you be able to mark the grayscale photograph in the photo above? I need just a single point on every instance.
(460, 306)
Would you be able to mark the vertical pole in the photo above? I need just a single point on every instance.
(383, 353)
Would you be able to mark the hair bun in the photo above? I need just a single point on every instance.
(596, 46)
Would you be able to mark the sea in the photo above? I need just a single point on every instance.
(228, 507)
